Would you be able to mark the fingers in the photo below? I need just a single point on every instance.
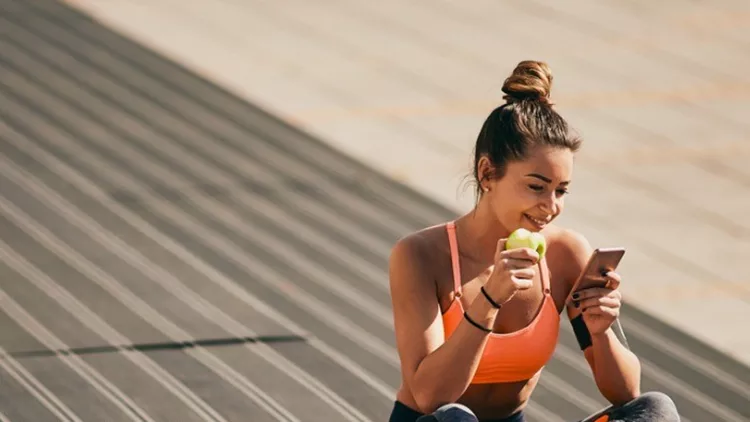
(522, 283)
(613, 280)
(524, 273)
(602, 311)
(516, 264)
(523, 254)
(597, 302)
(499, 249)
(527, 254)
(613, 283)
(595, 292)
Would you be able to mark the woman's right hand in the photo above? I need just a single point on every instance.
(514, 271)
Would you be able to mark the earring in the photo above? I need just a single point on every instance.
(485, 188)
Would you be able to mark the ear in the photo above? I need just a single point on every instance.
(485, 171)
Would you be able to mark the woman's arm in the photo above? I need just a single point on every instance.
(616, 369)
(436, 371)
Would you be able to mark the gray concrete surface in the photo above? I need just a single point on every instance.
(658, 90)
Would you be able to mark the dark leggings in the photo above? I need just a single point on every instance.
(649, 407)
(448, 413)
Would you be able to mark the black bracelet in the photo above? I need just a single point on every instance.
(472, 322)
(489, 299)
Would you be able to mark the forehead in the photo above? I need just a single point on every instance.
(553, 163)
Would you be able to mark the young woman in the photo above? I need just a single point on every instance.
(475, 322)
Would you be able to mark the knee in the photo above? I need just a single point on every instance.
(453, 412)
(658, 403)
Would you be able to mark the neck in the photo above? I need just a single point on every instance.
(480, 231)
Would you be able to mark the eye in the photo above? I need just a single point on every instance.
(562, 191)
(536, 188)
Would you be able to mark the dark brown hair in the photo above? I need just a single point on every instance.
(527, 119)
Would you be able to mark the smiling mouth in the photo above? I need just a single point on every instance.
(537, 221)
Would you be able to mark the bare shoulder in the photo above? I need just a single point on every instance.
(568, 252)
(415, 245)
(413, 254)
(408, 251)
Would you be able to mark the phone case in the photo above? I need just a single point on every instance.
(602, 260)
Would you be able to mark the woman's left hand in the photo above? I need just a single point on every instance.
(600, 305)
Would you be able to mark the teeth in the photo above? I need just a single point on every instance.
(537, 221)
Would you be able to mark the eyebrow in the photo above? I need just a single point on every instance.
(545, 179)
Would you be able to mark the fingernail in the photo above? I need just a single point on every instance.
(575, 295)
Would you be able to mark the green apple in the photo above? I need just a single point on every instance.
(523, 238)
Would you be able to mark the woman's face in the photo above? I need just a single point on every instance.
(531, 193)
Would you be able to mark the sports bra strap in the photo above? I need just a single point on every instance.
(544, 274)
(451, 227)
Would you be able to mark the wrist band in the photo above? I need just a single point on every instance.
(472, 322)
(581, 331)
(489, 299)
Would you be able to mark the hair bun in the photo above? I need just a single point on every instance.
(530, 80)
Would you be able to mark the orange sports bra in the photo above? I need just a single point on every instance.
(510, 357)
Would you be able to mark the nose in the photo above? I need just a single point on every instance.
(550, 204)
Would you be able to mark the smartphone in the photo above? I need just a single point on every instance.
(602, 260)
